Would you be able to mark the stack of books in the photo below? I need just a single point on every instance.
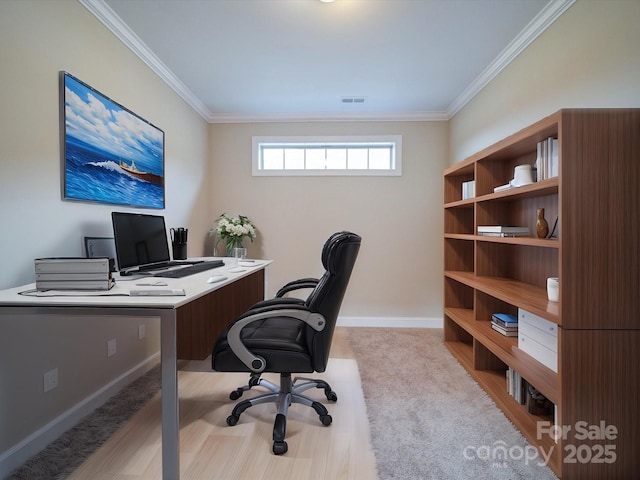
(516, 386)
(468, 189)
(71, 273)
(547, 159)
(505, 323)
(503, 231)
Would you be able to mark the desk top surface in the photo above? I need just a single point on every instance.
(194, 286)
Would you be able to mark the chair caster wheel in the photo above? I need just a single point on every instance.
(326, 419)
(235, 395)
(280, 448)
(331, 396)
(232, 420)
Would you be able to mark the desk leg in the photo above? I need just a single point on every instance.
(170, 412)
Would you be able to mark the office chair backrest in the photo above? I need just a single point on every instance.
(339, 256)
(327, 248)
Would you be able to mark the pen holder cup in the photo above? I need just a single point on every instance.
(179, 251)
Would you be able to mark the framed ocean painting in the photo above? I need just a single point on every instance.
(109, 154)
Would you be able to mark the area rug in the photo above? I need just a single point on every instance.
(66, 453)
(428, 418)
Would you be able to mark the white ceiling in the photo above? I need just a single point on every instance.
(264, 60)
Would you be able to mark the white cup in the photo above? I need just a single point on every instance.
(553, 289)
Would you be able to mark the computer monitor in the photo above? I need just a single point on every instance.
(141, 241)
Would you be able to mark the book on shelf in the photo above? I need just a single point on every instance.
(468, 189)
(505, 324)
(507, 332)
(504, 235)
(505, 319)
(72, 265)
(547, 158)
(502, 231)
(516, 386)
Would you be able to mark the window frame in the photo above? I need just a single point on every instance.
(348, 141)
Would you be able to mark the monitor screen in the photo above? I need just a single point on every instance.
(140, 239)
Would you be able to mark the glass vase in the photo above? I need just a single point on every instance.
(230, 243)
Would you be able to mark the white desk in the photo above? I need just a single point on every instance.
(118, 302)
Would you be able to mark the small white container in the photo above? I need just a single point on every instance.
(553, 289)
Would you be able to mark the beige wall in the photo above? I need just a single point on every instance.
(398, 273)
(588, 58)
(38, 39)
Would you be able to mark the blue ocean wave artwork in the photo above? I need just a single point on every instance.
(111, 155)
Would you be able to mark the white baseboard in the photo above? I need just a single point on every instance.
(38, 440)
(393, 322)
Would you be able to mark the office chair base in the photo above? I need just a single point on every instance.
(255, 380)
(284, 395)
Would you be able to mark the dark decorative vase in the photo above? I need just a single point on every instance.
(542, 227)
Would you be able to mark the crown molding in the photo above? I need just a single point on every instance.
(114, 23)
(330, 117)
(533, 30)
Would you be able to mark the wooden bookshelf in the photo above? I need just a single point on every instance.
(595, 254)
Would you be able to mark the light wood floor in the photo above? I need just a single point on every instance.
(209, 449)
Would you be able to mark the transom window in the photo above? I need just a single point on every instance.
(368, 155)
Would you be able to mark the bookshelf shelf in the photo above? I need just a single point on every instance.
(535, 242)
(598, 377)
(548, 186)
(466, 203)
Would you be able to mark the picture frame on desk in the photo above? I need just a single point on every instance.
(102, 247)
(109, 154)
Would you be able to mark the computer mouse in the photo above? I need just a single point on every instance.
(216, 278)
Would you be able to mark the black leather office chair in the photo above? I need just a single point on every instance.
(289, 335)
(307, 283)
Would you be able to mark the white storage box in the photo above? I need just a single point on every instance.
(539, 338)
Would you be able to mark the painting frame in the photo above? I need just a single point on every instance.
(110, 155)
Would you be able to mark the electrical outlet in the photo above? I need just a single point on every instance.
(111, 347)
(50, 380)
(142, 331)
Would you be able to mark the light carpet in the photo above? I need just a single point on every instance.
(428, 418)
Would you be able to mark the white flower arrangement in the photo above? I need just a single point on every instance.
(233, 230)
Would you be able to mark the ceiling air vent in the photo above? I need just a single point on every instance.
(353, 99)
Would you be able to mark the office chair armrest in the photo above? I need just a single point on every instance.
(297, 285)
(255, 362)
(271, 302)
